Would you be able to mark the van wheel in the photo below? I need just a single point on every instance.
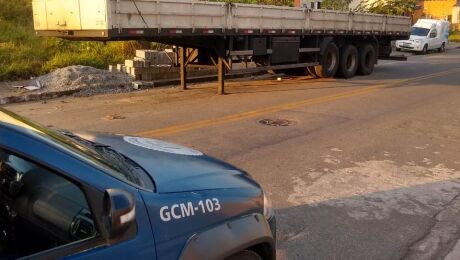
(442, 48)
(245, 255)
(367, 58)
(425, 49)
(329, 62)
(348, 61)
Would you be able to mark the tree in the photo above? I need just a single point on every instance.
(389, 7)
(336, 4)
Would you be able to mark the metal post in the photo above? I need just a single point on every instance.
(183, 68)
(220, 75)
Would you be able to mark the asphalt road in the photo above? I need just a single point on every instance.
(367, 168)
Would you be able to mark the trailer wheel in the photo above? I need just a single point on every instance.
(348, 61)
(367, 56)
(329, 62)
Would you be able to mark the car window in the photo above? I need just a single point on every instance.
(39, 210)
(417, 31)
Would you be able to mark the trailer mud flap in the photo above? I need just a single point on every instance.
(227, 239)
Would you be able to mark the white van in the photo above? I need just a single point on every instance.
(426, 34)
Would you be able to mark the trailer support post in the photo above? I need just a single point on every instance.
(221, 75)
(183, 68)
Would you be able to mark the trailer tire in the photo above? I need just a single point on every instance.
(349, 61)
(367, 58)
(329, 62)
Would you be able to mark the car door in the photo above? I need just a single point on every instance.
(43, 211)
(47, 214)
(433, 41)
(64, 198)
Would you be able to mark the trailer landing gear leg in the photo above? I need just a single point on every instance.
(183, 68)
(221, 76)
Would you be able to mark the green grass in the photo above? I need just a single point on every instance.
(24, 55)
(454, 37)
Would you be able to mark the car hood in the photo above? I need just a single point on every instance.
(175, 168)
(415, 37)
(412, 38)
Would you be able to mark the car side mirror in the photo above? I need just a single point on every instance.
(119, 212)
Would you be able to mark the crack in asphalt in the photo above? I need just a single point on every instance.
(440, 237)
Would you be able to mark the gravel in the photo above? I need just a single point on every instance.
(84, 80)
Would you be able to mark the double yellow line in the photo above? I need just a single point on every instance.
(277, 108)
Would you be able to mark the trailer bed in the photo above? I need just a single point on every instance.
(149, 19)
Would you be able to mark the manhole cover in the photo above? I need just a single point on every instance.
(276, 122)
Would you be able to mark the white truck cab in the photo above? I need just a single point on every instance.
(426, 34)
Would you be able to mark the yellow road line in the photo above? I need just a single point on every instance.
(277, 108)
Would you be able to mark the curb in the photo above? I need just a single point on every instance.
(144, 85)
(36, 97)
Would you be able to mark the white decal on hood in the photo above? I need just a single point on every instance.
(157, 145)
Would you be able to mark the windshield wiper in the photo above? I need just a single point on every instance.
(121, 164)
(116, 160)
(125, 166)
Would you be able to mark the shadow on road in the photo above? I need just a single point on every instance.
(379, 225)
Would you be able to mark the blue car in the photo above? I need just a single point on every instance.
(98, 196)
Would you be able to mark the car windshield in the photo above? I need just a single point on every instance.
(417, 31)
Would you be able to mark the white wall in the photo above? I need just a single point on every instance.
(456, 15)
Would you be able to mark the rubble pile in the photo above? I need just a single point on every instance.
(81, 77)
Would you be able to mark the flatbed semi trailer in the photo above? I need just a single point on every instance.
(323, 43)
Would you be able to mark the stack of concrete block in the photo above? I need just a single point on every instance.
(150, 65)
(157, 57)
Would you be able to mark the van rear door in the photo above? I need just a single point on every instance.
(63, 14)
(39, 13)
(93, 14)
(70, 15)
